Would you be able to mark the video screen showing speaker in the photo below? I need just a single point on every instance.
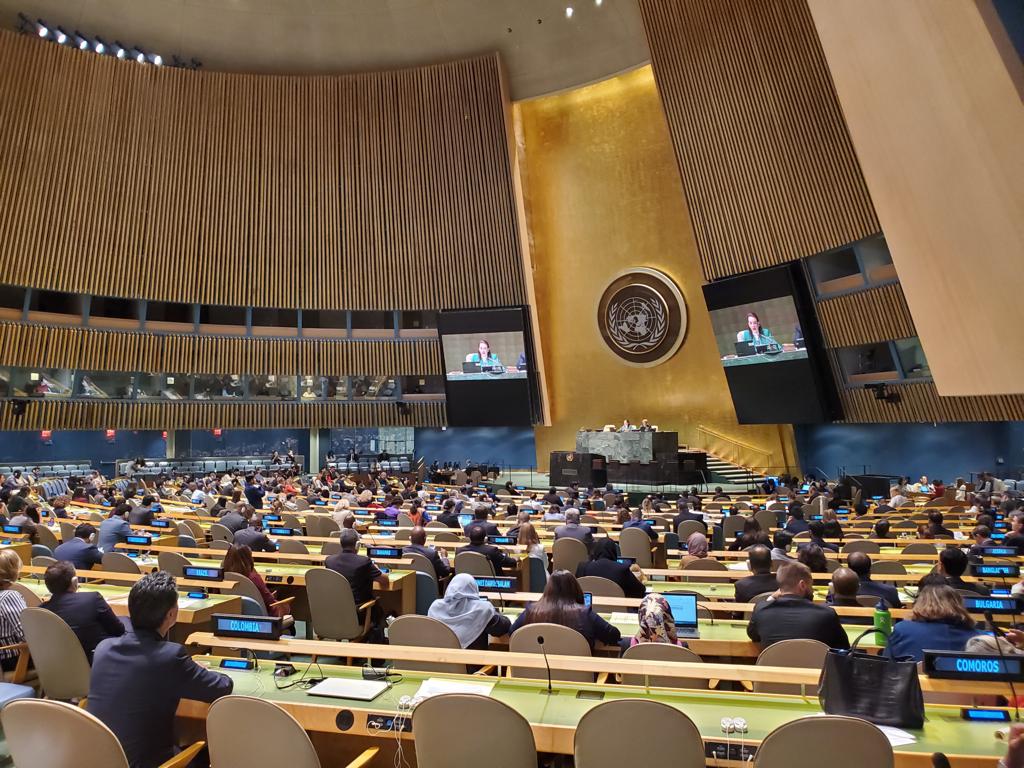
(770, 345)
(490, 379)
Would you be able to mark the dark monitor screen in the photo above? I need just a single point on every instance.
(770, 346)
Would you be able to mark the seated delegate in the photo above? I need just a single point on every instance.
(562, 603)
(604, 563)
(471, 619)
(87, 613)
(938, 622)
(792, 614)
(656, 623)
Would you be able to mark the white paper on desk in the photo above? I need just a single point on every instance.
(625, 618)
(897, 737)
(741, 566)
(434, 686)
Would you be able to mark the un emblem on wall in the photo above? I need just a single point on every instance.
(642, 317)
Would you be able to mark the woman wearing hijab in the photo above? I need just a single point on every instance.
(657, 624)
(604, 563)
(470, 618)
(696, 548)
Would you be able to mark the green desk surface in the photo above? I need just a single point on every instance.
(730, 361)
(114, 593)
(943, 729)
(276, 569)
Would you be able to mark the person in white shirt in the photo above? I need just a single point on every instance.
(552, 513)
(961, 489)
(198, 494)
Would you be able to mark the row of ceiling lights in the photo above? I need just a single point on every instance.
(569, 11)
(97, 45)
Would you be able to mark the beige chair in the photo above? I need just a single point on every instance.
(473, 563)
(43, 561)
(920, 548)
(403, 534)
(194, 529)
(868, 601)
(635, 543)
(330, 548)
(839, 742)
(448, 536)
(173, 563)
(245, 588)
(32, 600)
(328, 526)
(732, 525)
(46, 537)
(332, 609)
(220, 532)
(441, 724)
(567, 554)
(67, 530)
(767, 519)
(558, 641)
(796, 654)
(424, 632)
(60, 661)
(421, 564)
(435, 524)
(220, 546)
(116, 562)
(404, 521)
(887, 566)
(282, 739)
(314, 523)
(673, 738)
(663, 653)
(291, 547)
(291, 521)
(52, 734)
(688, 527)
(600, 587)
(706, 564)
(861, 545)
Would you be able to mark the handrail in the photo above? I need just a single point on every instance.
(768, 454)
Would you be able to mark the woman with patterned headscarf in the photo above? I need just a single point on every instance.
(656, 622)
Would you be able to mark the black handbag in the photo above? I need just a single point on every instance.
(874, 688)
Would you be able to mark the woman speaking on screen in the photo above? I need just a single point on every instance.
(755, 333)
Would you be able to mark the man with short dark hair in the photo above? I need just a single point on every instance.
(860, 564)
(935, 526)
(573, 530)
(720, 495)
(792, 615)
(683, 514)
(552, 497)
(762, 580)
(880, 531)
(79, 550)
(780, 547)
(115, 529)
(251, 536)
(1015, 536)
(845, 587)
(87, 613)
(360, 570)
(636, 520)
(795, 523)
(952, 564)
(982, 536)
(144, 513)
(234, 520)
(418, 544)
(499, 559)
(480, 515)
(139, 679)
(254, 492)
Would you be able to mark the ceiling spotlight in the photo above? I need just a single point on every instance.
(568, 12)
(139, 56)
(158, 60)
(119, 50)
(598, 3)
(100, 46)
(62, 36)
(81, 41)
(41, 29)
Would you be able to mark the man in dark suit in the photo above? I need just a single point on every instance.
(358, 569)
(683, 514)
(795, 523)
(636, 520)
(79, 550)
(480, 521)
(499, 559)
(604, 563)
(139, 679)
(1015, 536)
(418, 544)
(254, 492)
(860, 564)
(144, 513)
(254, 539)
(573, 530)
(87, 613)
(448, 515)
(552, 497)
(952, 564)
(762, 580)
(792, 615)
(234, 520)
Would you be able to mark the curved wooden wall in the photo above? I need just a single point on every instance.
(388, 190)
(866, 317)
(95, 350)
(921, 402)
(766, 159)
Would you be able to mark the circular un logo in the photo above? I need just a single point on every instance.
(642, 317)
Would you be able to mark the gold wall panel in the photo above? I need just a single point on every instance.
(389, 190)
(865, 317)
(87, 349)
(938, 123)
(602, 194)
(768, 168)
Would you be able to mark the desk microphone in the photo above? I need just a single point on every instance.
(1000, 635)
(540, 642)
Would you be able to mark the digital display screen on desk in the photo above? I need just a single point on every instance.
(282, 531)
(501, 540)
(160, 524)
(272, 518)
(384, 552)
(1006, 605)
(999, 551)
(203, 574)
(387, 522)
(262, 628)
(974, 666)
(144, 540)
(768, 340)
(490, 378)
(992, 570)
(496, 583)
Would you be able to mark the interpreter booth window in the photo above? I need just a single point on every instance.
(5, 382)
(335, 387)
(162, 386)
(275, 322)
(56, 307)
(106, 312)
(221, 387)
(170, 316)
(422, 385)
(912, 360)
(324, 323)
(373, 388)
(41, 382)
(103, 385)
(310, 388)
(868, 364)
(12, 302)
(373, 325)
(272, 387)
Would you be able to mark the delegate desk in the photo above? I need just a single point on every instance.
(553, 719)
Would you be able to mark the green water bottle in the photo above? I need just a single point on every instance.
(883, 622)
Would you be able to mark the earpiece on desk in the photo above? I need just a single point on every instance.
(405, 703)
(728, 725)
(740, 724)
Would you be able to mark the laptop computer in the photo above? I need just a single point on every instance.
(471, 368)
(684, 611)
(744, 349)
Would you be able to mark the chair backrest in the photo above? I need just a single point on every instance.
(706, 564)
(197, 531)
(732, 525)
(635, 543)
(688, 527)
(245, 588)
(220, 532)
(404, 520)
(52, 734)
(558, 641)
(403, 534)
(231, 722)
(32, 600)
(599, 586)
(447, 536)
(868, 601)
(473, 563)
(292, 547)
(453, 731)
(568, 553)
(920, 548)
(46, 537)
(119, 563)
(424, 632)
(43, 561)
(332, 608)
(67, 530)
(220, 546)
(663, 652)
(421, 564)
(796, 654)
(61, 663)
(767, 519)
(291, 521)
(538, 574)
(801, 744)
(861, 545)
(314, 524)
(173, 563)
(598, 741)
(887, 566)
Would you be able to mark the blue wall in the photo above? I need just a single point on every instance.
(240, 442)
(84, 446)
(939, 451)
(503, 446)
(1012, 14)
